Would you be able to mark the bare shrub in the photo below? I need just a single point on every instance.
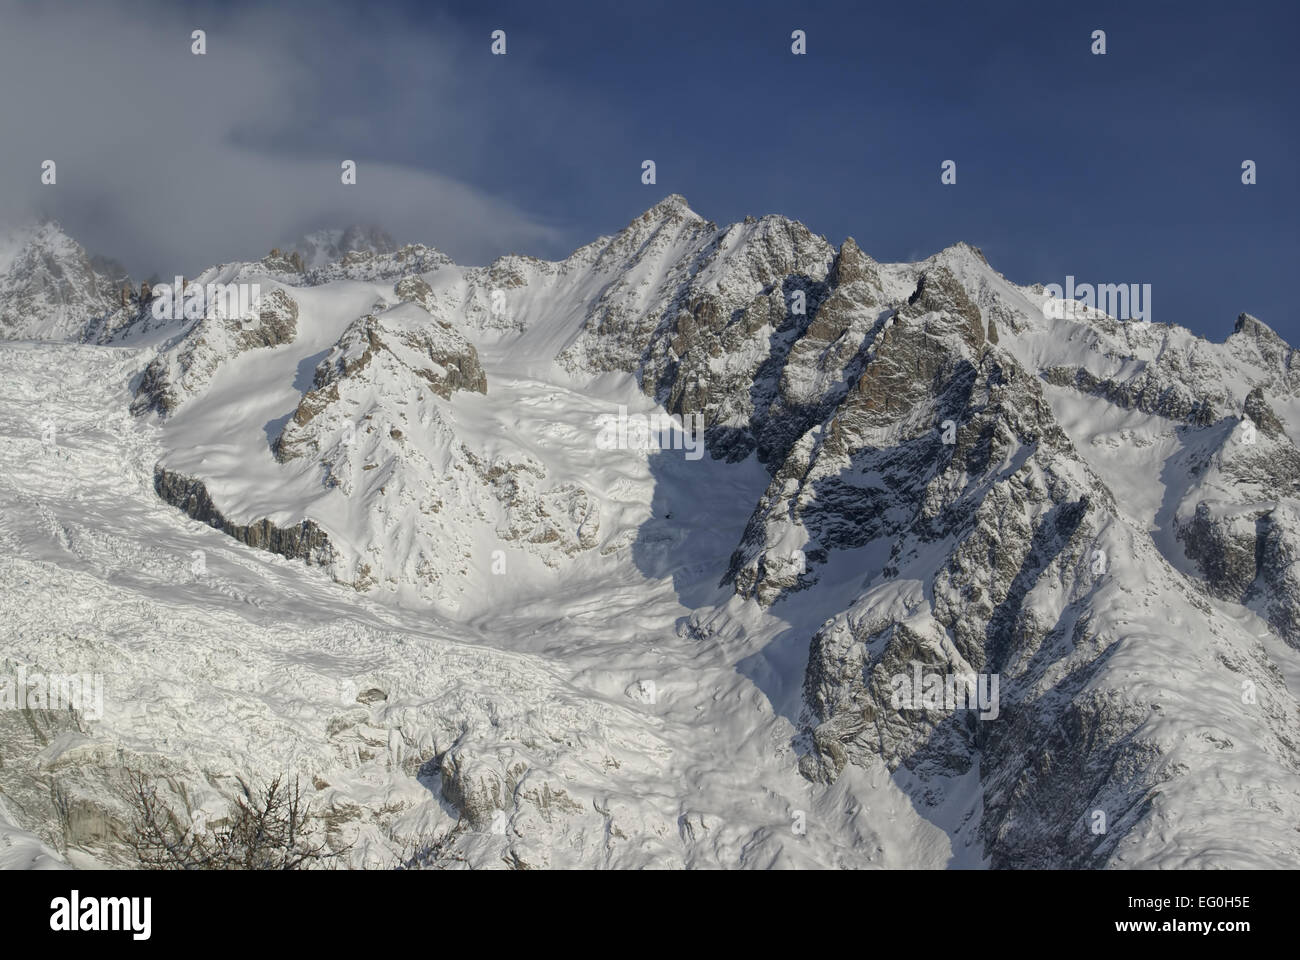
(269, 828)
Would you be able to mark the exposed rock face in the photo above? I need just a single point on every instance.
(401, 344)
(1163, 370)
(324, 247)
(1007, 505)
(50, 288)
(1024, 592)
(1225, 549)
(1148, 392)
(1255, 341)
(376, 420)
(907, 415)
(1239, 521)
(373, 265)
(1262, 415)
(920, 367)
(187, 366)
(564, 516)
(417, 290)
(305, 541)
(710, 335)
(443, 358)
(1012, 513)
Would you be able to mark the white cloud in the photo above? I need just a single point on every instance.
(164, 158)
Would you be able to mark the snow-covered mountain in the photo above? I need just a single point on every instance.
(323, 247)
(373, 530)
(50, 288)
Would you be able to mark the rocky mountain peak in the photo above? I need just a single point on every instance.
(49, 286)
(672, 206)
(1254, 328)
(323, 247)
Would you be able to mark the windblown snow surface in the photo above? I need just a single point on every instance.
(501, 639)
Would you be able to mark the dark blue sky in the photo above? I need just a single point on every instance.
(1123, 168)
(1117, 168)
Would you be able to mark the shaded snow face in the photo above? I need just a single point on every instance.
(655, 432)
(962, 577)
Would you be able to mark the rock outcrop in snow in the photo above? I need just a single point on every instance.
(185, 367)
